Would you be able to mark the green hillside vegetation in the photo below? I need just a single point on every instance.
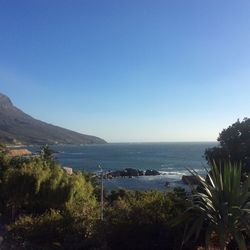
(43, 207)
(142, 220)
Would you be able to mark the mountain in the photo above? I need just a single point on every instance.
(16, 127)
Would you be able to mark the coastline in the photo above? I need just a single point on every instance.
(171, 160)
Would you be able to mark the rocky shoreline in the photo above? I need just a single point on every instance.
(130, 172)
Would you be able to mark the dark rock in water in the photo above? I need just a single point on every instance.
(132, 172)
(127, 172)
(151, 172)
(189, 179)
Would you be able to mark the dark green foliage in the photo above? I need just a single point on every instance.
(4, 162)
(115, 195)
(2, 148)
(141, 220)
(47, 155)
(234, 145)
(42, 230)
(53, 229)
(3, 158)
(95, 181)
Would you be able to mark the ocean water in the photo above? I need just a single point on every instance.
(171, 159)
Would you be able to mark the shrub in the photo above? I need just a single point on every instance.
(220, 208)
(141, 220)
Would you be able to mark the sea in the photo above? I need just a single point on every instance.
(172, 160)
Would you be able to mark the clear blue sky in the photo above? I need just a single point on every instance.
(128, 70)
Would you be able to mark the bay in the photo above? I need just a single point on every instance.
(171, 159)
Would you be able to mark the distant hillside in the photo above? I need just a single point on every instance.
(16, 127)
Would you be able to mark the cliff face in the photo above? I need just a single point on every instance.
(16, 127)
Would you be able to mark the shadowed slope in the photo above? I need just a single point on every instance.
(18, 127)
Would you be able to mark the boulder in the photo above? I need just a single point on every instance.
(68, 170)
(151, 172)
(127, 172)
(132, 172)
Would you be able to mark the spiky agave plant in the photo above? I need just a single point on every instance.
(220, 206)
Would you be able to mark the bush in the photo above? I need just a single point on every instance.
(142, 220)
(53, 229)
(44, 230)
(50, 208)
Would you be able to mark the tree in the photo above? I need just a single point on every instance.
(46, 154)
(234, 145)
(220, 207)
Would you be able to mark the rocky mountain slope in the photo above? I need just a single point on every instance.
(16, 127)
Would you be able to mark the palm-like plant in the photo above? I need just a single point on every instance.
(220, 206)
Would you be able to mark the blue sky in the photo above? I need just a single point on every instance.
(128, 70)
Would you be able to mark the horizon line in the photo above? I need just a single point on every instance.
(109, 142)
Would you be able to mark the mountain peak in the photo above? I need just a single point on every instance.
(18, 127)
(5, 101)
